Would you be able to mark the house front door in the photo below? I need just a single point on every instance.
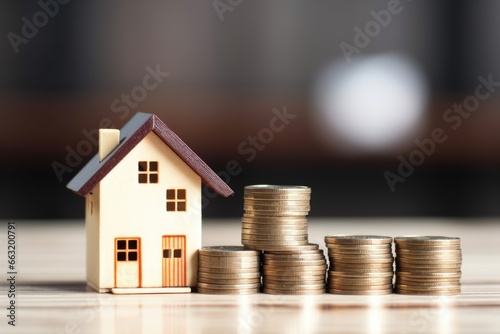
(127, 262)
(174, 260)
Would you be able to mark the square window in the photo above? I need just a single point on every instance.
(143, 178)
(121, 244)
(181, 193)
(167, 254)
(143, 166)
(177, 253)
(153, 178)
(121, 256)
(170, 206)
(132, 244)
(170, 193)
(153, 166)
(132, 256)
(181, 206)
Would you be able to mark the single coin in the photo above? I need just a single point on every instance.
(266, 237)
(451, 292)
(357, 239)
(428, 267)
(351, 287)
(282, 208)
(429, 253)
(354, 260)
(304, 248)
(306, 277)
(277, 197)
(272, 188)
(335, 274)
(361, 281)
(352, 247)
(294, 254)
(241, 265)
(293, 257)
(360, 252)
(426, 287)
(218, 260)
(228, 251)
(361, 267)
(279, 214)
(292, 292)
(295, 286)
(277, 203)
(426, 248)
(365, 257)
(294, 271)
(229, 276)
(426, 240)
(294, 260)
(228, 291)
(228, 281)
(280, 247)
(354, 292)
(412, 266)
(253, 219)
(425, 274)
(231, 286)
(272, 244)
(277, 231)
(231, 270)
(428, 281)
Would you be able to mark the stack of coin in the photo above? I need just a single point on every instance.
(360, 264)
(428, 265)
(275, 217)
(294, 273)
(228, 270)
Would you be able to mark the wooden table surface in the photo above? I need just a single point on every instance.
(52, 296)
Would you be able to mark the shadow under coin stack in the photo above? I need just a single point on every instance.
(428, 265)
(360, 264)
(275, 222)
(228, 270)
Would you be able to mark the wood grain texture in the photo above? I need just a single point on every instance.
(52, 296)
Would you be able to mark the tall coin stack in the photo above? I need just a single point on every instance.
(428, 265)
(275, 222)
(228, 270)
(275, 217)
(298, 272)
(360, 264)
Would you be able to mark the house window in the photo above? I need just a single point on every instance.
(169, 253)
(176, 199)
(127, 249)
(148, 171)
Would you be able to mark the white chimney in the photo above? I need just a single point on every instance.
(108, 141)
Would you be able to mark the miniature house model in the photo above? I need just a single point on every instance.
(143, 209)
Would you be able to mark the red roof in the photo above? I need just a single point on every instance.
(130, 135)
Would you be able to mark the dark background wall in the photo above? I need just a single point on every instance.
(230, 63)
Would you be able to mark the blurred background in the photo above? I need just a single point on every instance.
(330, 94)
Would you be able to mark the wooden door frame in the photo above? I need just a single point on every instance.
(184, 256)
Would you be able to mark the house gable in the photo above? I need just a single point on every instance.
(130, 135)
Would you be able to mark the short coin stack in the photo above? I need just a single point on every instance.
(428, 265)
(275, 217)
(298, 272)
(228, 270)
(360, 264)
